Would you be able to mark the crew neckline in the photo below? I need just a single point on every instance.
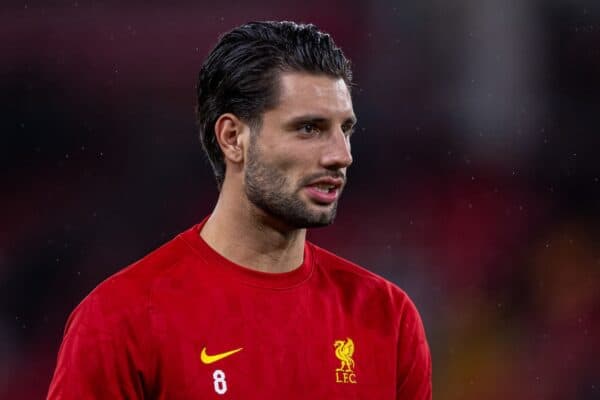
(219, 264)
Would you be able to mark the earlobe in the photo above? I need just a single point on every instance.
(228, 131)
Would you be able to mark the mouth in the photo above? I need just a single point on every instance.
(324, 191)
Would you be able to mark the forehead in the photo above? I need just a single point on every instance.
(301, 93)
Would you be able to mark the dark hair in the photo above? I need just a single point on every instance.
(241, 74)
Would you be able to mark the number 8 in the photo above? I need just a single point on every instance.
(219, 383)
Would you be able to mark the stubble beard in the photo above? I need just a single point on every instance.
(265, 187)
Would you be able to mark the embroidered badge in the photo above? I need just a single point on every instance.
(344, 350)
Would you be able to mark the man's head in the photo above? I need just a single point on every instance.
(275, 79)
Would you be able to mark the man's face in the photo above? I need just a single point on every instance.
(296, 165)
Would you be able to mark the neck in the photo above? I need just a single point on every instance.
(247, 236)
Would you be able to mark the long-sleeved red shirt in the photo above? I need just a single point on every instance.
(186, 323)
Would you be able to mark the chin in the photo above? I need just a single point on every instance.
(320, 218)
(293, 212)
(319, 224)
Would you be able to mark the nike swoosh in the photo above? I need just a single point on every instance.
(209, 359)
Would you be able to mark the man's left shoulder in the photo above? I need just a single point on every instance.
(350, 273)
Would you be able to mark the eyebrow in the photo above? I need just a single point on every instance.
(317, 119)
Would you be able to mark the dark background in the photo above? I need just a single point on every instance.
(475, 187)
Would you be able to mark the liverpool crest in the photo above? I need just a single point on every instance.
(344, 350)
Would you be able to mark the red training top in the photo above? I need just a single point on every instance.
(186, 323)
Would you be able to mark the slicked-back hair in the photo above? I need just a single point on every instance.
(241, 75)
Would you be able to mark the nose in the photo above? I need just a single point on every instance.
(337, 153)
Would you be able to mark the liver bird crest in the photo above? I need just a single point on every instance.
(344, 351)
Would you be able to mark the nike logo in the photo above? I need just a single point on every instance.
(209, 359)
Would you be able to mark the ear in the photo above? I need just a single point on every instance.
(230, 132)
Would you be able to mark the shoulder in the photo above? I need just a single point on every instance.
(128, 292)
(140, 276)
(356, 278)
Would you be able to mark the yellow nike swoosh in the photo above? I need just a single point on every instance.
(209, 359)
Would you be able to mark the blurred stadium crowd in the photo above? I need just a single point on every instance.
(475, 187)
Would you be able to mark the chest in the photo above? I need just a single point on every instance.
(226, 344)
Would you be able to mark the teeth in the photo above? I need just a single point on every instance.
(325, 188)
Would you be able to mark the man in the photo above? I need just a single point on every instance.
(241, 306)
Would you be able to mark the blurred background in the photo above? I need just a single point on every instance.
(475, 187)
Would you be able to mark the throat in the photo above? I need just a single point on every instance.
(254, 244)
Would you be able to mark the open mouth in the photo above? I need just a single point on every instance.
(323, 194)
(324, 188)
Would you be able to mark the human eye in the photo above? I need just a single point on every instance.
(348, 129)
(308, 128)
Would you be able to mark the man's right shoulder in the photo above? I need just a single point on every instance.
(132, 286)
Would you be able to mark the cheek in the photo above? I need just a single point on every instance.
(285, 158)
(288, 164)
(295, 161)
(294, 168)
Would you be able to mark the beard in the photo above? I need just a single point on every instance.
(269, 190)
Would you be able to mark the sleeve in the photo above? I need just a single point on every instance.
(102, 352)
(414, 357)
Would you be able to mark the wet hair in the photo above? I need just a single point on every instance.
(241, 74)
